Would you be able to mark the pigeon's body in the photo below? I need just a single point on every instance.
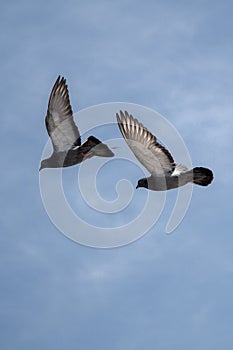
(165, 174)
(64, 134)
(199, 175)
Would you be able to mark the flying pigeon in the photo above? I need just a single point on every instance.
(64, 134)
(165, 174)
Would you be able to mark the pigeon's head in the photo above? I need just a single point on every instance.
(142, 183)
(44, 164)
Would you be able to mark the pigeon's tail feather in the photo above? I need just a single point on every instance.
(96, 148)
(202, 176)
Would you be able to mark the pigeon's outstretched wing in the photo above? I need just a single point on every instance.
(155, 157)
(59, 119)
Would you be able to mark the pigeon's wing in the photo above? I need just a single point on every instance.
(155, 157)
(59, 119)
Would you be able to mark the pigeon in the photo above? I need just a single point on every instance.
(64, 134)
(165, 174)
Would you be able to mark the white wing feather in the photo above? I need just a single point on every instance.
(179, 169)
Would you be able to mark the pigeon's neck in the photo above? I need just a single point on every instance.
(55, 161)
(162, 183)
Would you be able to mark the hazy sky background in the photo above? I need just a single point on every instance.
(163, 291)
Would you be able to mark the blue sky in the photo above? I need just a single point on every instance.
(163, 291)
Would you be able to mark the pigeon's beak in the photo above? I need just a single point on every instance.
(137, 186)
